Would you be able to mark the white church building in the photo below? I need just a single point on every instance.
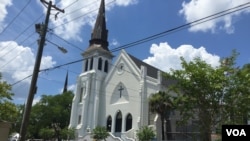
(111, 93)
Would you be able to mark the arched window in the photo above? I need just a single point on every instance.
(100, 64)
(109, 123)
(106, 66)
(86, 65)
(118, 122)
(129, 120)
(91, 63)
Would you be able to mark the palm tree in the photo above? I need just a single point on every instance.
(100, 133)
(161, 103)
(145, 134)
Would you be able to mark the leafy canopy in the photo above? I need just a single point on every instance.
(100, 133)
(8, 110)
(217, 95)
(145, 133)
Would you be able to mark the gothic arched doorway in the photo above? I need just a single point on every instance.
(109, 123)
(129, 122)
(118, 122)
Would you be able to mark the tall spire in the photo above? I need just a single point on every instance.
(100, 33)
(65, 89)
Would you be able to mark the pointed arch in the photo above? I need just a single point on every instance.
(91, 63)
(129, 122)
(106, 66)
(86, 65)
(100, 63)
(118, 121)
(109, 123)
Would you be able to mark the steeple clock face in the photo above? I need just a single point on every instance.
(120, 68)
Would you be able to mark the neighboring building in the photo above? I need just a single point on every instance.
(114, 95)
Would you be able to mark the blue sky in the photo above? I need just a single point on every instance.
(127, 21)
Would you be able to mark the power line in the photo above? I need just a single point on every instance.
(70, 4)
(16, 46)
(33, 86)
(15, 17)
(184, 26)
(76, 18)
(67, 42)
(53, 28)
(87, 5)
(23, 32)
(15, 57)
(196, 22)
(30, 24)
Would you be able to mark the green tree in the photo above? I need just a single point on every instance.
(46, 133)
(53, 112)
(68, 134)
(145, 133)
(162, 104)
(99, 133)
(8, 110)
(215, 94)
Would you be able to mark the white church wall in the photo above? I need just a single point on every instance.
(123, 74)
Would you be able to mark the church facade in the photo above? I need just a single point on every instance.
(114, 95)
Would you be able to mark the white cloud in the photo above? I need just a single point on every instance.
(3, 12)
(126, 2)
(197, 9)
(79, 13)
(17, 62)
(36, 100)
(165, 57)
(114, 42)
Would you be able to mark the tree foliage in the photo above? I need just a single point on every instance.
(51, 112)
(161, 103)
(145, 133)
(217, 95)
(8, 110)
(99, 133)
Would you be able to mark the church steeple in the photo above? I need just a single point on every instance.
(99, 35)
(65, 89)
(97, 55)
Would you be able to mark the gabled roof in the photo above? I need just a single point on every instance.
(151, 71)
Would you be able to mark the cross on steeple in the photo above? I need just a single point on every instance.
(121, 89)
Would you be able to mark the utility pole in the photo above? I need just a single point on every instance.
(33, 87)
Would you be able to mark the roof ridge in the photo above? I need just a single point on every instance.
(151, 70)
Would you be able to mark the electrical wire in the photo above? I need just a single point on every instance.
(196, 22)
(87, 5)
(76, 18)
(70, 4)
(15, 57)
(67, 42)
(22, 34)
(19, 13)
